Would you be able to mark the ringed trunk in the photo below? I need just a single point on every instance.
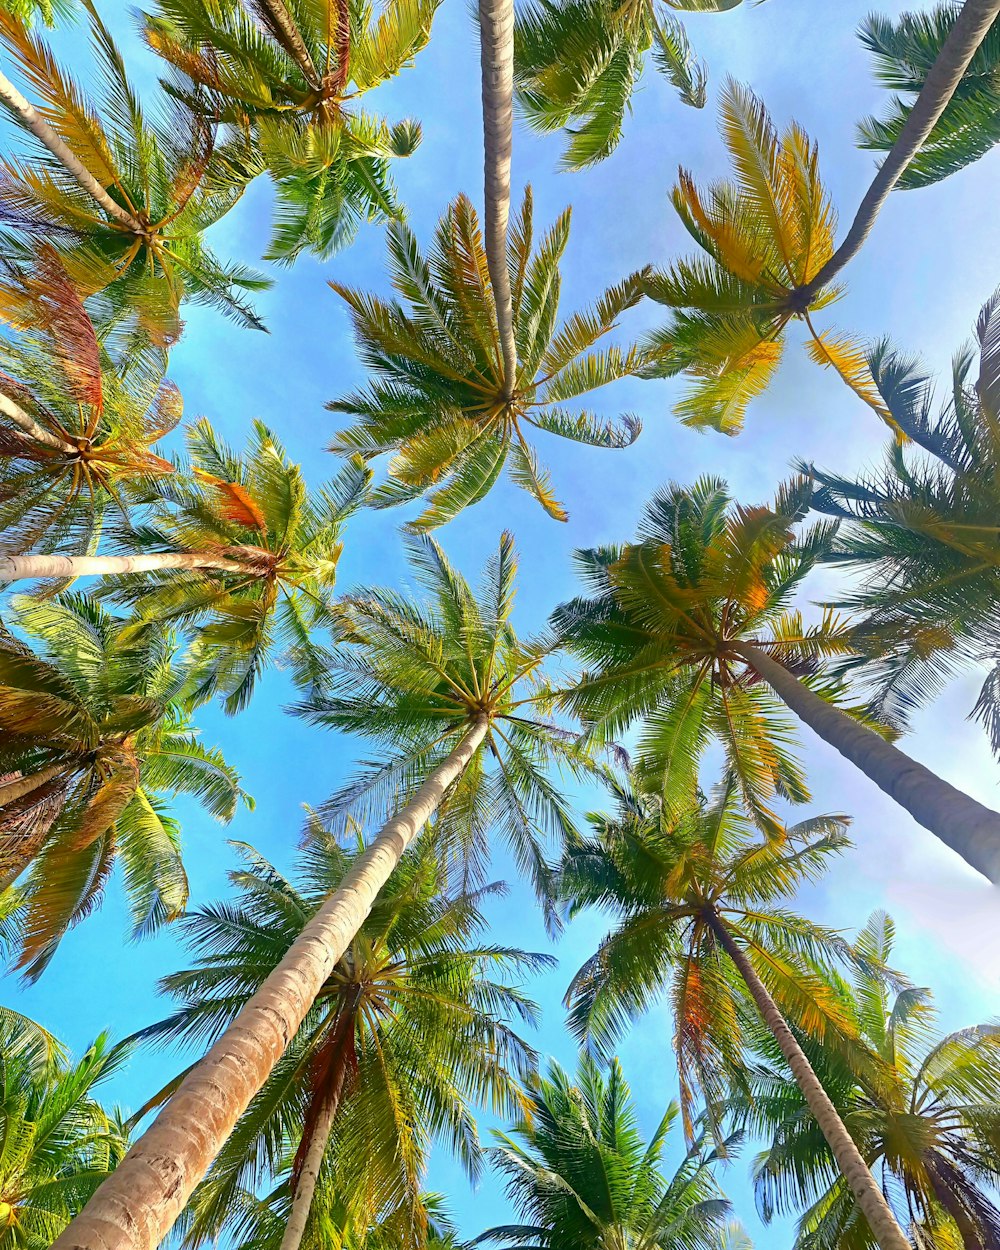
(33, 121)
(29, 426)
(970, 29)
(137, 1205)
(14, 568)
(496, 43)
(968, 827)
(856, 1172)
(18, 787)
(294, 44)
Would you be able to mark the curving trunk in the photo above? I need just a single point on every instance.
(496, 43)
(137, 1205)
(856, 1172)
(970, 29)
(29, 426)
(290, 37)
(32, 120)
(18, 787)
(969, 828)
(14, 568)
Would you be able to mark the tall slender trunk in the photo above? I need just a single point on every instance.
(137, 1205)
(18, 787)
(968, 1229)
(856, 1172)
(32, 120)
(970, 29)
(29, 426)
(295, 45)
(496, 44)
(308, 1175)
(26, 829)
(14, 568)
(969, 828)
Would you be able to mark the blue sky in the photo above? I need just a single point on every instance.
(921, 277)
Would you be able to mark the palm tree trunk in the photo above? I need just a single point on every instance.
(18, 787)
(970, 29)
(14, 568)
(43, 132)
(856, 1172)
(29, 426)
(291, 37)
(308, 1173)
(969, 828)
(138, 1204)
(496, 43)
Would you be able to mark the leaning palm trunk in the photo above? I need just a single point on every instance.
(292, 39)
(30, 427)
(496, 42)
(883, 1224)
(969, 828)
(970, 29)
(138, 1204)
(14, 568)
(18, 787)
(33, 121)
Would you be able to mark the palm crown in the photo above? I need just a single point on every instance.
(417, 677)
(93, 737)
(144, 252)
(59, 1142)
(78, 415)
(427, 1010)
(928, 1125)
(579, 61)
(274, 544)
(765, 235)
(581, 1176)
(659, 637)
(290, 70)
(437, 396)
(668, 882)
(904, 50)
(923, 531)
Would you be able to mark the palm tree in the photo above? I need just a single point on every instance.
(123, 192)
(58, 1141)
(697, 898)
(765, 236)
(922, 531)
(928, 1127)
(94, 735)
(577, 63)
(410, 1029)
(453, 692)
(904, 50)
(438, 395)
(239, 543)
(47, 10)
(78, 416)
(691, 629)
(581, 1176)
(288, 73)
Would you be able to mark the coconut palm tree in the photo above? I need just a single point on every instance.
(764, 237)
(94, 735)
(922, 532)
(78, 416)
(438, 395)
(691, 630)
(410, 1031)
(904, 50)
(238, 543)
(577, 63)
(458, 700)
(58, 1141)
(928, 1127)
(698, 902)
(122, 191)
(289, 74)
(581, 1177)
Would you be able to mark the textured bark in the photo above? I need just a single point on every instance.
(343, 47)
(29, 426)
(970, 29)
(18, 787)
(13, 568)
(496, 43)
(969, 828)
(968, 1230)
(856, 1172)
(32, 120)
(137, 1205)
(292, 39)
